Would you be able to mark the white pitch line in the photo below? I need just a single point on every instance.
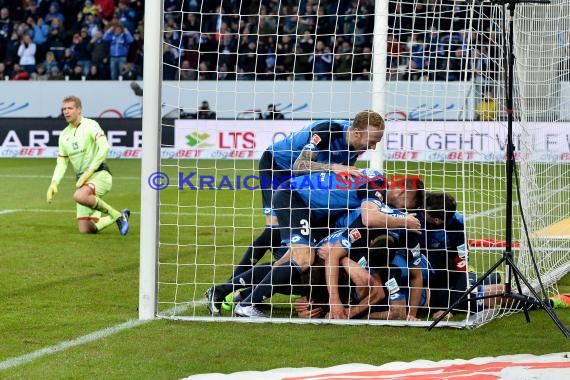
(62, 346)
(49, 176)
(224, 214)
(100, 334)
(484, 213)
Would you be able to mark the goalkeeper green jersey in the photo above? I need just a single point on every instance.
(82, 145)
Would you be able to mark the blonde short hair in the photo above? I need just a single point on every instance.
(366, 118)
(74, 99)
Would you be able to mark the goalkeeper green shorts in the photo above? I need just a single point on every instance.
(100, 182)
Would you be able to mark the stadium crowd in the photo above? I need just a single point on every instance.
(244, 40)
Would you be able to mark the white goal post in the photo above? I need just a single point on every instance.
(433, 69)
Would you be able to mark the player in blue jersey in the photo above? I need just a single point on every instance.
(326, 145)
(322, 146)
(447, 252)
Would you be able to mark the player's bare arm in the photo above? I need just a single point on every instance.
(372, 217)
(306, 163)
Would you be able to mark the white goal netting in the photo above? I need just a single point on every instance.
(239, 76)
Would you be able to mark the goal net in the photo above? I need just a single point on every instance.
(237, 77)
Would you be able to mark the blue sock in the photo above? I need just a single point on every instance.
(247, 279)
(279, 280)
(268, 240)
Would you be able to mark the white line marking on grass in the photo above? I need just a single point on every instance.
(9, 211)
(104, 333)
(224, 214)
(41, 176)
(484, 213)
(62, 346)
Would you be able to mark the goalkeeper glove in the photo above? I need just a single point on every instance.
(52, 190)
(84, 177)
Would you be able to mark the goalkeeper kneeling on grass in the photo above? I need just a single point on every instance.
(83, 143)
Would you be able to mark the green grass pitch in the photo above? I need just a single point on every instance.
(57, 285)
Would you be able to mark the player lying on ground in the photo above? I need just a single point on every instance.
(361, 290)
(83, 143)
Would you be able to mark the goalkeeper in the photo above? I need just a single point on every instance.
(83, 143)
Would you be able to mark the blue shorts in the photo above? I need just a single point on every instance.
(270, 178)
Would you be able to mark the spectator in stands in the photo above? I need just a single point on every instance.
(192, 5)
(27, 53)
(99, 50)
(80, 50)
(76, 73)
(415, 47)
(40, 73)
(127, 15)
(12, 47)
(119, 39)
(54, 13)
(284, 57)
(106, 10)
(247, 61)
(18, 73)
(6, 29)
(50, 62)
(135, 54)
(191, 24)
(40, 33)
(68, 62)
(322, 62)
(458, 66)
(93, 73)
(363, 64)
(32, 11)
(3, 73)
(205, 73)
(128, 72)
(55, 74)
(169, 63)
(90, 8)
(396, 56)
(186, 72)
(92, 24)
(224, 73)
(343, 61)
(272, 113)
(56, 42)
(432, 55)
